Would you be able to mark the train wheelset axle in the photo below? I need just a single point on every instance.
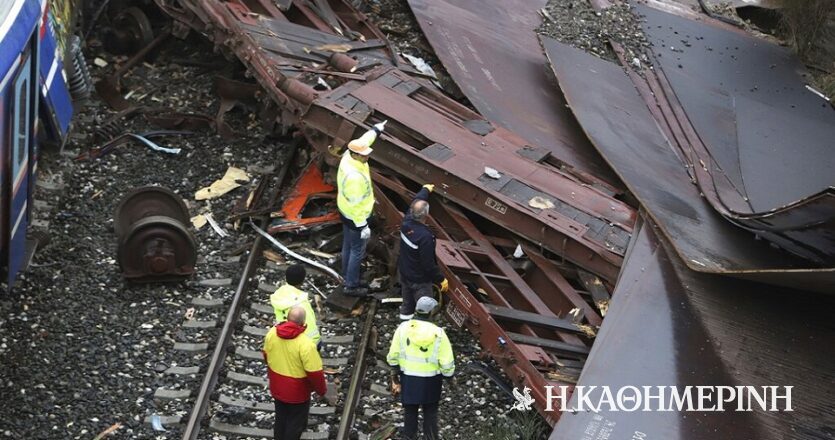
(154, 241)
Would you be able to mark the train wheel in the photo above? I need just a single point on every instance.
(131, 32)
(157, 248)
(149, 201)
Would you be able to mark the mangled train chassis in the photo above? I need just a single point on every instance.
(497, 195)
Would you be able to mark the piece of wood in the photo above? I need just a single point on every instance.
(597, 289)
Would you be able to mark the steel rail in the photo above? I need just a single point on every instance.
(352, 398)
(207, 387)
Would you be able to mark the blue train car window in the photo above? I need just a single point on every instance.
(20, 143)
(23, 125)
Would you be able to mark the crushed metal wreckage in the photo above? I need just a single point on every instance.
(533, 208)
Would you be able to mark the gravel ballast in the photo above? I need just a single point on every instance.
(82, 351)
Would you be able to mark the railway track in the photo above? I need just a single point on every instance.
(217, 381)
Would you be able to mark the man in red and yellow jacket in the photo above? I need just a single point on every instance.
(294, 371)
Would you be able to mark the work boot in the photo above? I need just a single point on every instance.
(355, 291)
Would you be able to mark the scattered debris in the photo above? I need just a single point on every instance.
(274, 256)
(154, 146)
(540, 202)
(383, 433)
(323, 83)
(198, 221)
(322, 294)
(156, 423)
(378, 283)
(320, 254)
(312, 203)
(227, 183)
(215, 226)
(289, 252)
(492, 173)
(816, 92)
(339, 48)
(144, 138)
(109, 88)
(421, 65)
(108, 431)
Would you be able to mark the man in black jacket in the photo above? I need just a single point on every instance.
(416, 263)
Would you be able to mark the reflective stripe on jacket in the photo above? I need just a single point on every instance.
(293, 364)
(288, 296)
(421, 349)
(416, 261)
(355, 196)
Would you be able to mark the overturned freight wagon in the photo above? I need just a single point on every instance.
(532, 224)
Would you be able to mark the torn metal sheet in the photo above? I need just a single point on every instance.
(498, 65)
(618, 122)
(757, 86)
(671, 327)
(755, 119)
(308, 189)
(425, 141)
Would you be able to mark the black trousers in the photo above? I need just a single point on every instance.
(430, 421)
(290, 420)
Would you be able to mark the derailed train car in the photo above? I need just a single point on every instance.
(723, 323)
(35, 109)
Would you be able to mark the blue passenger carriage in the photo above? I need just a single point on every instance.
(35, 108)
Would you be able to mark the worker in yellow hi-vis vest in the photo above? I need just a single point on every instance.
(290, 295)
(355, 200)
(421, 356)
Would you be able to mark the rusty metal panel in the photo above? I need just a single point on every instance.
(498, 65)
(755, 118)
(669, 326)
(593, 240)
(759, 87)
(620, 125)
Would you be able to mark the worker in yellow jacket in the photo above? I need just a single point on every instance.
(294, 370)
(421, 356)
(355, 200)
(290, 295)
